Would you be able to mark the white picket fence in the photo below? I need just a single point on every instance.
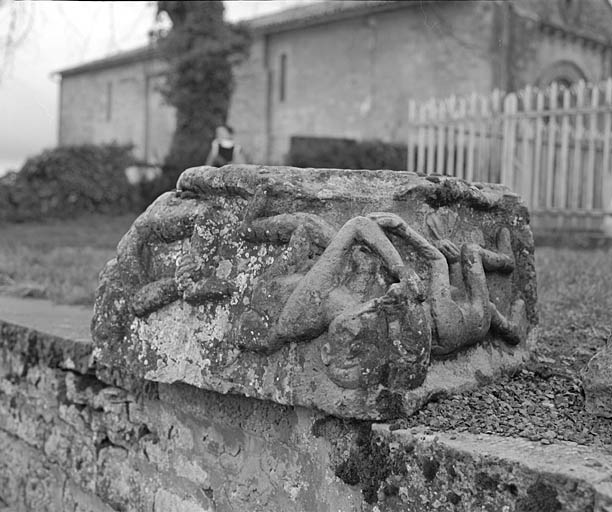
(552, 146)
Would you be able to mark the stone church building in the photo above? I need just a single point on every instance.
(348, 69)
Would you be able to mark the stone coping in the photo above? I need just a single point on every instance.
(513, 473)
(423, 468)
(47, 333)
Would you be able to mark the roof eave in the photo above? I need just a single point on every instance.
(146, 53)
(289, 25)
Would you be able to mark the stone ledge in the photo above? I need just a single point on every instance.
(414, 469)
(46, 333)
(467, 472)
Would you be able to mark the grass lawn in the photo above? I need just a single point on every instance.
(58, 260)
(575, 300)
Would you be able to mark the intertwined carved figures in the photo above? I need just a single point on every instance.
(352, 287)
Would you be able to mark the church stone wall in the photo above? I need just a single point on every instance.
(353, 78)
(117, 104)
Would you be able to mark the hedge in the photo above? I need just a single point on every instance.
(327, 152)
(68, 181)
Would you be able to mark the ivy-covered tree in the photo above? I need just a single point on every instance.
(200, 49)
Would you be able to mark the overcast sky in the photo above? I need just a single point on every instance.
(48, 36)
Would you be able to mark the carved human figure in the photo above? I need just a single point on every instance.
(457, 321)
(311, 300)
(386, 340)
(193, 283)
(353, 286)
(463, 319)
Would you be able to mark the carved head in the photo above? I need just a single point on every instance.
(353, 354)
(383, 341)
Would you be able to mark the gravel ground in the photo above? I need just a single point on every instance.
(544, 402)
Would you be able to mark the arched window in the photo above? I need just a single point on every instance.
(563, 72)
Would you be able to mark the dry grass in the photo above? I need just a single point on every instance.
(58, 260)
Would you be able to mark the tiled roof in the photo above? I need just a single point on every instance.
(320, 11)
(126, 57)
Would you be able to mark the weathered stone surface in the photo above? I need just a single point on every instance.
(71, 442)
(360, 293)
(597, 383)
(34, 331)
(418, 470)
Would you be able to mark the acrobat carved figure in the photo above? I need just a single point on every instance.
(461, 321)
(312, 295)
(313, 300)
(330, 283)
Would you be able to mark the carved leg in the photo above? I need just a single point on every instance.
(154, 296)
(194, 287)
(503, 259)
(511, 331)
(208, 289)
(478, 314)
(258, 227)
(463, 323)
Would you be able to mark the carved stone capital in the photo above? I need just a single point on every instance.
(359, 293)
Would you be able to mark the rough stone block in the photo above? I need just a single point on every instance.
(597, 383)
(463, 472)
(359, 293)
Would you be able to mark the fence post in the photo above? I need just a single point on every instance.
(590, 170)
(577, 166)
(510, 108)
(561, 201)
(496, 137)
(461, 127)
(431, 135)
(607, 142)
(524, 171)
(537, 159)
(552, 144)
(441, 141)
(411, 142)
(421, 140)
(472, 113)
(481, 171)
(451, 112)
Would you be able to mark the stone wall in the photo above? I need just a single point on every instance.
(119, 103)
(350, 77)
(542, 54)
(70, 442)
(161, 415)
(354, 77)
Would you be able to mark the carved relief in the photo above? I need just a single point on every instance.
(372, 299)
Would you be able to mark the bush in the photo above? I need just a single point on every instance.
(346, 153)
(68, 181)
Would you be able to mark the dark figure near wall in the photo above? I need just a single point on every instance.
(224, 149)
